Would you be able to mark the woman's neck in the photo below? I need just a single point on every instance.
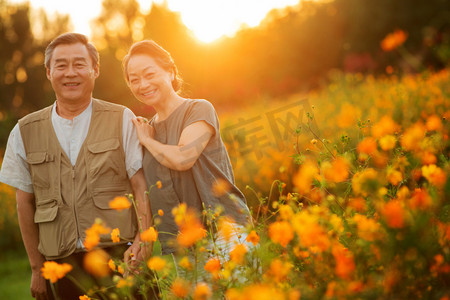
(165, 109)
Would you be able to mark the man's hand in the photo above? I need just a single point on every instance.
(38, 286)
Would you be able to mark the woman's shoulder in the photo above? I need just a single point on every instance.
(200, 103)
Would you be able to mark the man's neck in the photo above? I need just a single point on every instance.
(70, 110)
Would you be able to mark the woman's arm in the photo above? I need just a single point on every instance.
(181, 157)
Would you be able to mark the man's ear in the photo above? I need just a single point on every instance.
(96, 71)
(49, 75)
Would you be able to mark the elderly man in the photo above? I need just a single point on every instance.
(68, 161)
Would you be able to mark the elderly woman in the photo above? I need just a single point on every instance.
(183, 147)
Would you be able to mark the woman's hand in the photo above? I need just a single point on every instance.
(144, 129)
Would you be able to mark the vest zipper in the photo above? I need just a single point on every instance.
(75, 206)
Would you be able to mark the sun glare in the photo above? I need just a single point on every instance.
(208, 19)
(212, 19)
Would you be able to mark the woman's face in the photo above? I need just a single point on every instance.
(148, 82)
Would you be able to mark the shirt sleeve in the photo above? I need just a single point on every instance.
(131, 145)
(15, 171)
(202, 110)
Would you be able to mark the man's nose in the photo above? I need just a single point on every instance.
(70, 71)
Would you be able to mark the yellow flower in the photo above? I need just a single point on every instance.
(150, 235)
(281, 233)
(434, 175)
(180, 288)
(96, 263)
(237, 255)
(226, 228)
(115, 235)
(156, 263)
(286, 212)
(202, 291)
(394, 176)
(363, 182)
(54, 271)
(386, 126)
(119, 203)
(388, 142)
(253, 238)
(185, 263)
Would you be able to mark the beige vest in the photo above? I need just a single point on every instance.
(70, 198)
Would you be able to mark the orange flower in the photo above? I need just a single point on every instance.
(213, 266)
(96, 263)
(434, 175)
(180, 287)
(112, 265)
(159, 184)
(150, 235)
(434, 123)
(281, 233)
(156, 263)
(128, 282)
(279, 270)
(345, 265)
(393, 40)
(54, 271)
(237, 255)
(305, 176)
(285, 212)
(367, 146)
(311, 234)
(388, 142)
(115, 235)
(386, 126)
(363, 182)
(394, 176)
(358, 204)
(93, 234)
(394, 213)
(220, 187)
(160, 212)
(368, 229)
(191, 229)
(202, 291)
(226, 228)
(413, 136)
(336, 171)
(420, 199)
(119, 203)
(84, 297)
(253, 238)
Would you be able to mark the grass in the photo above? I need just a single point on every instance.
(15, 275)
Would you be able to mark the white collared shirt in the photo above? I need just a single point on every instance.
(71, 135)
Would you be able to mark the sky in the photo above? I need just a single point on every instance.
(208, 19)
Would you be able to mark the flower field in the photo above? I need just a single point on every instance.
(349, 190)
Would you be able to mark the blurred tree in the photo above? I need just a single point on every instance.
(23, 84)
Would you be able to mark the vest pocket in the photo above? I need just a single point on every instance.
(50, 231)
(104, 158)
(125, 220)
(39, 169)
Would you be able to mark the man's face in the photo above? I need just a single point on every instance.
(72, 74)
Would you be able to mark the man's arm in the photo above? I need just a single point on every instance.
(144, 216)
(30, 235)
